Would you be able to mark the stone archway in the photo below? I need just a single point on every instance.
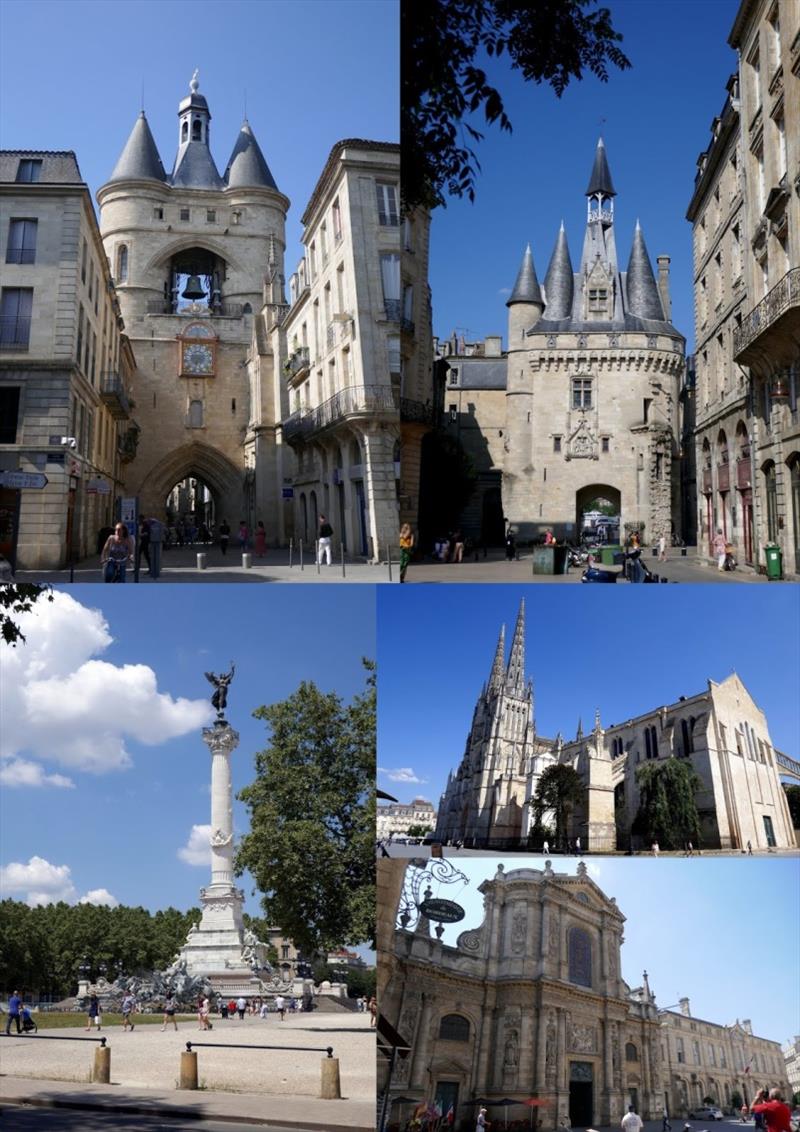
(224, 480)
(602, 499)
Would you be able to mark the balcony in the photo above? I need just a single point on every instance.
(354, 401)
(222, 310)
(15, 332)
(297, 364)
(407, 326)
(723, 477)
(114, 397)
(768, 334)
(744, 473)
(416, 412)
(394, 309)
(706, 481)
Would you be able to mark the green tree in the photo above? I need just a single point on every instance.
(551, 41)
(736, 1100)
(310, 847)
(667, 808)
(793, 798)
(18, 597)
(419, 830)
(559, 789)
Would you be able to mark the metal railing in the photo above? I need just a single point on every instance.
(393, 308)
(15, 332)
(785, 294)
(221, 310)
(355, 399)
(190, 1046)
(407, 326)
(297, 361)
(112, 392)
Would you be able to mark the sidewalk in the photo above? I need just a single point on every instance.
(244, 1108)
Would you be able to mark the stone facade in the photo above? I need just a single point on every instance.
(65, 365)
(721, 732)
(791, 1057)
(340, 353)
(396, 817)
(707, 1059)
(531, 1002)
(594, 372)
(418, 403)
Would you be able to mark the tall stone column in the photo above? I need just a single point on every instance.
(221, 741)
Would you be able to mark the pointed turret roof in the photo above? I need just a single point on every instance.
(195, 168)
(515, 674)
(498, 665)
(139, 159)
(247, 167)
(559, 283)
(600, 180)
(526, 288)
(644, 300)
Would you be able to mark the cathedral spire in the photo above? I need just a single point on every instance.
(640, 284)
(515, 674)
(579, 733)
(600, 181)
(498, 665)
(559, 282)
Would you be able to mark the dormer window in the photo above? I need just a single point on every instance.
(598, 300)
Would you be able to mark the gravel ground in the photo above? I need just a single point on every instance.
(150, 1058)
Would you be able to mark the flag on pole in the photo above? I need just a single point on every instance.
(451, 1115)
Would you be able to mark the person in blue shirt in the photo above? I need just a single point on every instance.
(14, 1008)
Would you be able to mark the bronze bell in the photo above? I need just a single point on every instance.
(194, 289)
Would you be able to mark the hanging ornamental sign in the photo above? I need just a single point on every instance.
(442, 911)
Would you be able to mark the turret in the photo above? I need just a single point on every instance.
(640, 284)
(194, 166)
(525, 303)
(559, 282)
(139, 160)
(247, 167)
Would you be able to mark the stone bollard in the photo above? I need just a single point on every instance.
(201, 562)
(188, 1078)
(330, 1089)
(247, 561)
(101, 1072)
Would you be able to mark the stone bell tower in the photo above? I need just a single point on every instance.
(190, 252)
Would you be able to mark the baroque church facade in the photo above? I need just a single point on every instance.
(721, 732)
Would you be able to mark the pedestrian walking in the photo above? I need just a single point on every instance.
(718, 546)
(372, 1006)
(546, 848)
(264, 1011)
(224, 536)
(169, 1011)
(232, 1008)
(749, 849)
(662, 548)
(116, 554)
(631, 1121)
(689, 849)
(14, 1010)
(95, 1018)
(205, 1010)
(280, 1006)
(324, 545)
(777, 1114)
(260, 545)
(128, 1007)
(406, 548)
(482, 1122)
(511, 545)
(655, 848)
(143, 549)
(241, 1006)
(665, 1124)
(578, 846)
(458, 546)
(243, 535)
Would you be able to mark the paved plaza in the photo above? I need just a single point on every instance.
(147, 1060)
(395, 849)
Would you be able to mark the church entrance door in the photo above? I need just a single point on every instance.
(447, 1095)
(581, 1093)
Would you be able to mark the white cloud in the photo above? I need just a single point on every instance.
(401, 774)
(22, 772)
(197, 850)
(99, 896)
(42, 882)
(504, 291)
(63, 704)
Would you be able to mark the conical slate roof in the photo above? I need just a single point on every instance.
(641, 289)
(559, 283)
(195, 168)
(526, 288)
(247, 166)
(139, 159)
(600, 180)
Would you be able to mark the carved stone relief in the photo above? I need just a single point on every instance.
(519, 926)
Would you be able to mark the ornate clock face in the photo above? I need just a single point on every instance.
(197, 358)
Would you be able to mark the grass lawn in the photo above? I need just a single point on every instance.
(57, 1020)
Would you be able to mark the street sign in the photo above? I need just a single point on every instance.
(444, 911)
(36, 480)
(98, 487)
(287, 492)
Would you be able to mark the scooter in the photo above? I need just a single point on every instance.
(634, 570)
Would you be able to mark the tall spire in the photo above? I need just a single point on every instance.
(579, 732)
(644, 300)
(600, 180)
(139, 159)
(515, 675)
(194, 166)
(559, 282)
(526, 288)
(498, 665)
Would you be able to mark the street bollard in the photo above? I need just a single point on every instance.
(247, 561)
(101, 1072)
(201, 562)
(330, 1088)
(341, 551)
(389, 563)
(188, 1077)
(301, 554)
(319, 563)
(291, 552)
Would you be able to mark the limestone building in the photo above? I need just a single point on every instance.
(594, 370)
(340, 350)
(65, 365)
(395, 818)
(791, 1057)
(707, 1059)
(720, 731)
(531, 1002)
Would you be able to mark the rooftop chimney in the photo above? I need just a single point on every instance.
(684, 1003)
(663, 285)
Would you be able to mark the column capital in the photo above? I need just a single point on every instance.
(221, 739)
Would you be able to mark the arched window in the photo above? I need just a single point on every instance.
(772, 500)
(454, 1028)
(185, 132)
(687, 737)
(631, 1052)
(579, 951)
(197, 130)
(722, 447)
(247, 309)
(122, 263)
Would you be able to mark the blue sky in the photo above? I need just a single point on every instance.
(655, 120)
(701, 932)
(313, 72)
(622, 652)
(120, 827)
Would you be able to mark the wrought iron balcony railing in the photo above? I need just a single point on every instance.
(784, 296)
(297, 362)
(355, 400)
(114, 397)
(221, 310)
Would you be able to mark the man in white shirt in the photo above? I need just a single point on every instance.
(631, 1122)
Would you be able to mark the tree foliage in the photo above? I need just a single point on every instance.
(310, 847)
(793, 798)
(18, 597)
(550, 41)
(667, 808)
(559, 789)
(42, 949)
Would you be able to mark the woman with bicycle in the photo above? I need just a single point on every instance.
(117, 553)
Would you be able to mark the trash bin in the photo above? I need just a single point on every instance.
(543, 560)
(774, 557)
(608, 555)
(559, 560)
